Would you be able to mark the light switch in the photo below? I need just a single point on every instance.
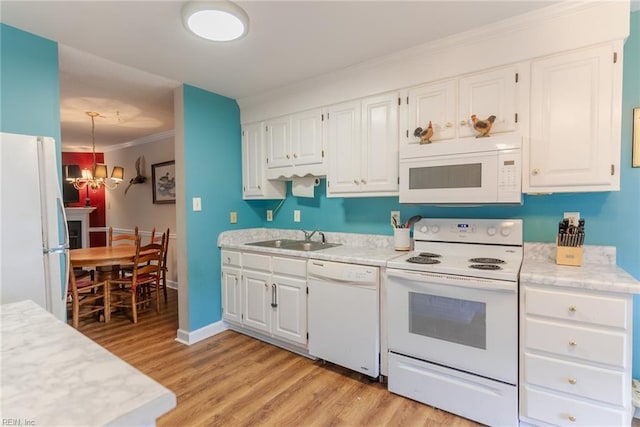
(233, 217)
(197, 204)
(296, 216)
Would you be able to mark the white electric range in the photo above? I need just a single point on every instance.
(452, 307)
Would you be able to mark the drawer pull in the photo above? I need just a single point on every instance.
(572, 418)
(573, 343)
(572, 308)
(572, 381)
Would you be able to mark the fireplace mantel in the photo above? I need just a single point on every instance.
(81, 214)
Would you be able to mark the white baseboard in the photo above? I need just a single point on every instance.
(205, 332)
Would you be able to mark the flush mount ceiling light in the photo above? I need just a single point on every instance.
(219, 21)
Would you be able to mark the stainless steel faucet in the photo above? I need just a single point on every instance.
(308, 235)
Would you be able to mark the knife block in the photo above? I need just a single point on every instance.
(569, 255)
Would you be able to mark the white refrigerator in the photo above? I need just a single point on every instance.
(34, 238)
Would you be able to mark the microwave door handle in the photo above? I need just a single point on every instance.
(465, 282)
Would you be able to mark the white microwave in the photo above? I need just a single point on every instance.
(487, 170)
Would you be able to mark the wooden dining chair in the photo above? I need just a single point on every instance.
(113, 271)
(164, 241)
(88, 296)
(136, 291)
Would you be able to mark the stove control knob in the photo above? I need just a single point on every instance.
(435, 229)
(423, 229)
(505, 231)
(491, 231)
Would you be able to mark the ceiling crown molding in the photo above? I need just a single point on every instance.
(140, 141)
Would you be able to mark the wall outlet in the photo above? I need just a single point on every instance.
(573, 217)
(233, 217)
(296, 216)
(269, 215)
(395, 215)
(197, 204)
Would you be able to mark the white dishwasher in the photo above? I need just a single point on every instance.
(344, 315)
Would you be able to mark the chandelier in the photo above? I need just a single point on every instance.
(97, 176)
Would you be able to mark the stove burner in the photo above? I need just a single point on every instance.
(485, 267)
(423, 260)
(487, 261)
(429, 255)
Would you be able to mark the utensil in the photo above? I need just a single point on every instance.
(412, 220)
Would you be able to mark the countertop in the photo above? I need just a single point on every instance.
(52, 375)
(598, 271)
(366, 249)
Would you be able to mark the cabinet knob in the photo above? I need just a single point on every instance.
(259, 187)
(449, 124)
(364, 181)
(572, 308)
(288, 156)
(295, 156)
(573, 343)
(463, 122)
(536, 171)
(572, 418)
(356, 182)
(572, 380)
(228, 260)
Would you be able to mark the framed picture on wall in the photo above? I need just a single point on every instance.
(163, 177)
(636, 137)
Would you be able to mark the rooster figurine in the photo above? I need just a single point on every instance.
(482, 126)
(139, 178)
(424, 134)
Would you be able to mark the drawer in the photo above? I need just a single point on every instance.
(230, 258)
(577, 306)
(595, 383)
(256, 261)
(289, 266)
(560, 410)
(592, 345)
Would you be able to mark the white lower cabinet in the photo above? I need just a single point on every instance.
(266, 294)
(575, 357)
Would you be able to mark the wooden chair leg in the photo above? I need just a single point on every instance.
(75, 304)
(134, 307)
(106, 288)
(158, 296)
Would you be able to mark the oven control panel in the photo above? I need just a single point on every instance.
(495, 231)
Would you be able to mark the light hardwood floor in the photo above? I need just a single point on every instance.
(234, 380)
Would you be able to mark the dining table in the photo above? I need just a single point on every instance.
(100, 256)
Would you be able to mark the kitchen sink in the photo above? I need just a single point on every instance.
(294, 245)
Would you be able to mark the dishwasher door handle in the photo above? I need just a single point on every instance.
(274, 297)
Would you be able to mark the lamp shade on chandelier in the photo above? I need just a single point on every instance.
(96, 177)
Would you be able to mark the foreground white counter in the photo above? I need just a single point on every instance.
(52, 375)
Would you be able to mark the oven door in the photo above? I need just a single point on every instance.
(466, 323)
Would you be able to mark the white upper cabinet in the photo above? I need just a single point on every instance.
(574, 142)
(294, 145)
(254, 182)
(362, 138)
(449, 104)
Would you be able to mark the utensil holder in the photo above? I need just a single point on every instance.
(569, 255)
(401, 239)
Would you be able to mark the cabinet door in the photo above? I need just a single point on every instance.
(435, 103)
(306, 137)
(572, 145)
(379, 167)
(290, 311)
(256, 291)
(231, 300)
(485, 94)
(278, 142)
(343, 141)
(252, 160)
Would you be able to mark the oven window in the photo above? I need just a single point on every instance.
(449, 319)
(449, 176)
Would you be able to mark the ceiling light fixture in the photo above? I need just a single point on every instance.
(219, 21)
(97, 177)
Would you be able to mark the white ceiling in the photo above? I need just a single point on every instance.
(123, 59)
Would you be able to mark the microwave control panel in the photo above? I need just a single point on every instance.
(509, 173)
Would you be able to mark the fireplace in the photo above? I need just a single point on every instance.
(75, 234)
(78, 223)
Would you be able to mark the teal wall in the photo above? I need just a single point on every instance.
(213, 172)
(29, 94)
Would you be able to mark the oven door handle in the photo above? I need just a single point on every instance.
(461, 281)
